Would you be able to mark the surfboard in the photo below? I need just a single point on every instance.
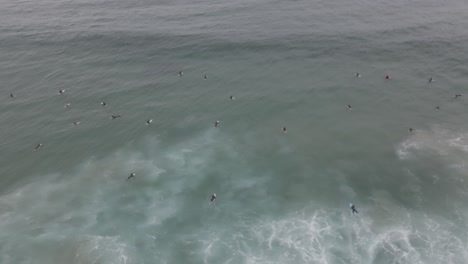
(351, 205)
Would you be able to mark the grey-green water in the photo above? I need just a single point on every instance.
(282, 197)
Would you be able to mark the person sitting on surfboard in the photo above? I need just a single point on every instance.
(354, 209)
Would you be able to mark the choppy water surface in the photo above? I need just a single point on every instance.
(282, 197)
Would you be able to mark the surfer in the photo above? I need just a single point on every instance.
(387, 77)
(66, 105)
(149, 121)
(103, 104)
(205, 77)
(75, 123)
(437, 108)
(349, 107)
(61, 91)
(180, 73)
(353, 209)
(216, 123)
(213, 198)
(410, 130)
(430, 80)
(231, 97)
(457, 95)
(358, 75)
(285, 130)
(38, 146)
(115, 116)
(132, 175)
(11, 95)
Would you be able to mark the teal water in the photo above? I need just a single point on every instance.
(282, 197)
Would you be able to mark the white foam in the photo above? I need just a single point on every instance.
(335, 237)
(102, 249)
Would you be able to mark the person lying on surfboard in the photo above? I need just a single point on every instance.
(354, 209)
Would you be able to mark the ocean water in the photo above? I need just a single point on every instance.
(282, 197)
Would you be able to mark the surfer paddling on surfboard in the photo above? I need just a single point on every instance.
(132, 175)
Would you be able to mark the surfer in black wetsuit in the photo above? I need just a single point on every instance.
(213, 198)
(132, 175)
(358, 75)
(115, 116)
(285, 130)
(437, 108)
(349, 107)
(410, 130)
(231, 97)
(11, 95)
(430, 80)
(353, 209)
(457, 95)
(216, 123)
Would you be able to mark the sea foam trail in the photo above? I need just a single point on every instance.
(437, 140)
(93, 215)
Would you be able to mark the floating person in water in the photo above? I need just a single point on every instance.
(61, 91)
(216, 123)
(457, 95)
(205, 77)
(66, 105)
(132, 175)
(285, 130)
(358, 75)
(213, 197)
(411, 130)
(387, 77)
(115, 116)
(149, 121)
(430, 80)
(349, 107)
(75, 123)
(38, 146)
(103, 104)
(231, 97)
(437, 108)
(181, 73)
(11, 95)
(353, 209)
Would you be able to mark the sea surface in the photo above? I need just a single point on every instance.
(282, 198)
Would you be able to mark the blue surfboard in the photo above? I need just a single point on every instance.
(350, 206)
